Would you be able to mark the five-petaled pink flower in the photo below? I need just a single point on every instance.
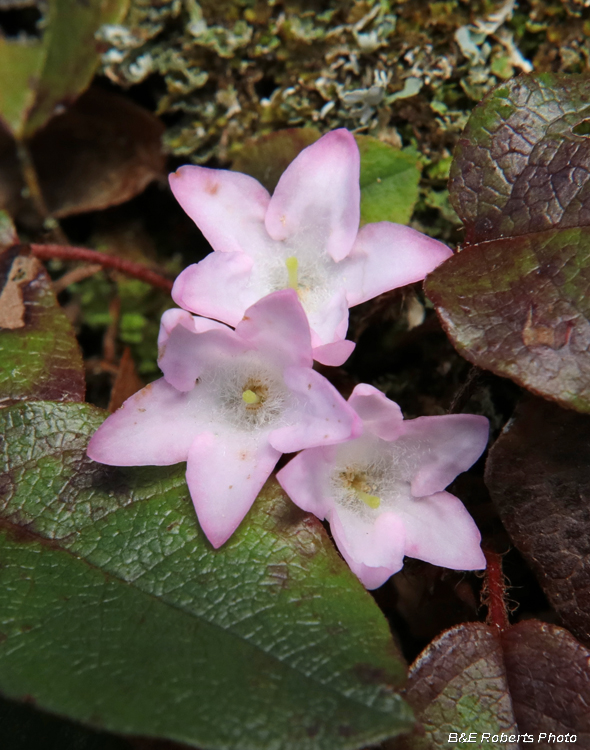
(306, 236)
(383, 492)
(229, 404)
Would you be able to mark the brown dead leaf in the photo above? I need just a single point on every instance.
(12, 306)
(39, 355)
(126, 383)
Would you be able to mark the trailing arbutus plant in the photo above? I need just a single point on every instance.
(159, 582)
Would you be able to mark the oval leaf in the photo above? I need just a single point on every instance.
(475, 686)
(458, 685)
(538, 474)
(116, 611)
(103, 151)
(516, 300)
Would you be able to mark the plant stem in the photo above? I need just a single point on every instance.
(31, 180)
(494, 595)
(135, 270)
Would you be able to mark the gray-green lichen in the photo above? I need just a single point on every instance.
(406, 72)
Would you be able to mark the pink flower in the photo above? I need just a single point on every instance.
(306, 237)
(383, 492)
(229, 404)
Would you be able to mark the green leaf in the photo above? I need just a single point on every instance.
(116, 611)
(516, 300)
(17, 94)
(39, 354)
(24, 728)
(389, 181)
(47, 73)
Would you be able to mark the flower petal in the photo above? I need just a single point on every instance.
(371, 578)
(442, 447)
(218, 287)
(155, 427)
(380, 415)
(322, 416)
(225, 473)
(439, 530)
(371, 549)
(329, 322)
(277, 326)
(306, 479)
(175, 317)
(228, 207)
(386, 256)
(185, 354)
(318, 195)
(334, 354)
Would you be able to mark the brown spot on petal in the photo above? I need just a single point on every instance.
(212, 188)
(144, 392)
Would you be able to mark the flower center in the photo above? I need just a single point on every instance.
(357, 482)
(254, 394)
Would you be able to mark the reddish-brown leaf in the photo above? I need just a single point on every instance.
(102, 151)
(458, 684)
(516, 300)
(538, 474)
(549, 681)
(530, 679)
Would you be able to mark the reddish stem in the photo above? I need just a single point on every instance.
(135, 270)
(495, 591)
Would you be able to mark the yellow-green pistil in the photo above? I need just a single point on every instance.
(371, 500)
(250, 397)
(292, 266)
